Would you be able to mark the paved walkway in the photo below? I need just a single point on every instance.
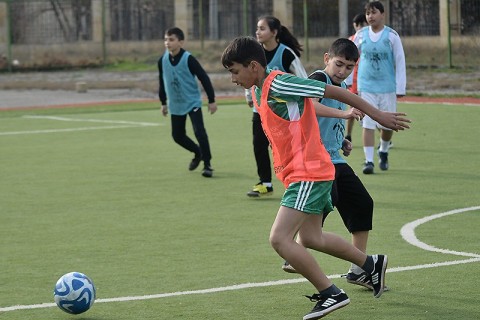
(44, 98)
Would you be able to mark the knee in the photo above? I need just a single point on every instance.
(177, 137)
(275, 241)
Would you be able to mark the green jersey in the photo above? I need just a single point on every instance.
(287, 94)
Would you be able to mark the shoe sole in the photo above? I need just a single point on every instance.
(289, 269)
(370, 288)
(323, 313)
(382, 282)
(258, 195)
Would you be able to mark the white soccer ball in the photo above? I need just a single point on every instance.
(16, 62)
(74, 293)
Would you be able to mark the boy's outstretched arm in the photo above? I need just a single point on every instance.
(393, 120)
(327, 112)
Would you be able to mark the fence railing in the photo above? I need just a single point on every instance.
(64, 33)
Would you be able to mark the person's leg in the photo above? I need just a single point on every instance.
(368, 149)
(369, 126)
(262, 159)
(200, 132)
(260, 150)
(388, 103)
(329, 243)
(329, 298)
(355, 206)
(179, 134)
(282, 234)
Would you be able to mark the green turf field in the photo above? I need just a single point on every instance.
(105, 191)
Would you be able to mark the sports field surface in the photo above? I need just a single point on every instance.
(105, 191)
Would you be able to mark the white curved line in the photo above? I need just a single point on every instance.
(408, 233)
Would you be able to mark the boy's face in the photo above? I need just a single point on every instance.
(243, 76)
(375, 18)
(172, 44)
(338, 68)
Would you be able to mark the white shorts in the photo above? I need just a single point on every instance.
(382, 101)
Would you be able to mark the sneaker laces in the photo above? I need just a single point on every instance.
(315, 297)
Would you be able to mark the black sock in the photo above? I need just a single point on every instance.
(368, 265)
(330, 291)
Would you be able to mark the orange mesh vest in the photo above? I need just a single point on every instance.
(354, 87)
(298, 151)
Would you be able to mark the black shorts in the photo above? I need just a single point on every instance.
(351, 199)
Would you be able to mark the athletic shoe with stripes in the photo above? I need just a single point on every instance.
(362, 279)
(378, 274)
(326, 304)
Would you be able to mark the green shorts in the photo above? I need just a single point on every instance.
(309, 196)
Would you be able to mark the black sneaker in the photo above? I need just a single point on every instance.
(326, 304)
(362, 279)
(368, 167)
(377, 277)
(194, 163)
(260, 190)
(207, 172)
(383, 161)
(287, 267)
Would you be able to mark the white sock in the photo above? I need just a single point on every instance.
(267, 184)
(384, 146)
(368, 153)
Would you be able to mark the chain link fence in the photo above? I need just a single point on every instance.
(66, 33)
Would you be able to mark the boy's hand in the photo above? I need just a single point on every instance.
(394, 120)
(164, 110)
(353, 113)
(212, 107)
(346, 147)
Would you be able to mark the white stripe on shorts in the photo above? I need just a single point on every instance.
(303, 194)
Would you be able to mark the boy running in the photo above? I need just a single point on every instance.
(349, 195)
(178, 71)
(304, 167)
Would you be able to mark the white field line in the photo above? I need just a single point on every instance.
(120, 124)
(407, 231)
(92, 120)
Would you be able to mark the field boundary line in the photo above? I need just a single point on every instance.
(121, 125)
(92, 120)
(408, 232)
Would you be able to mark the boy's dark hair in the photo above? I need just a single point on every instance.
(243, 50)
(176, 32)
(344, 48)
(360, 19)
(283, 34)
(374, 4)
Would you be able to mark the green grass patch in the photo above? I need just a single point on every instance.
(116, 201)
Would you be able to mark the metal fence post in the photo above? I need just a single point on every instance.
(104, 33)
(9, 36)
(305, 29)
(449, 39)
